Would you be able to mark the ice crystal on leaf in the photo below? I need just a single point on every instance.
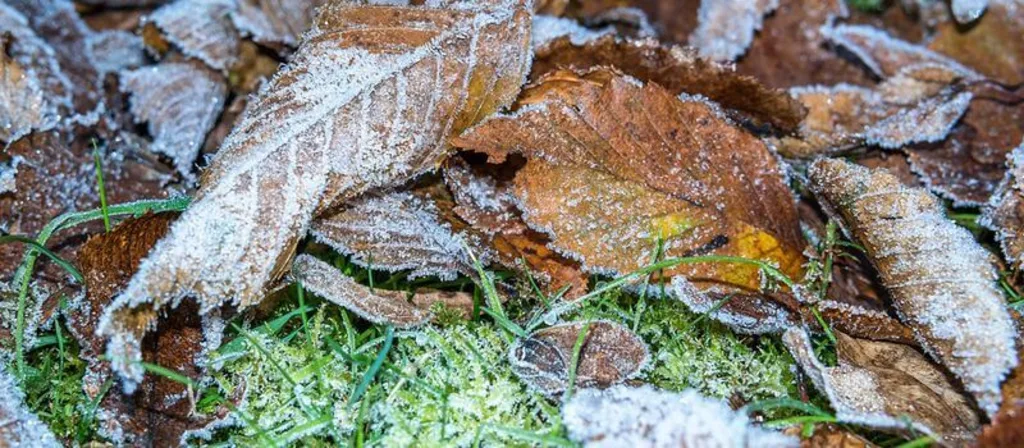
(273, 22)
(32, 86)
(645, 417)
(1005, 212)
(967, 11)
(942, 282)
(886, 55)
(19, 427)
(547, 29)
(355, 110)
(726, 27)
(199, 28)
(115, 50)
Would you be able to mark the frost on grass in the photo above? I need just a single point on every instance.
(881, 385)
(275, 22)
(399, 231)
(648, 417)
(886, 55)
(375, 305)
(181, 102)
(726, 28)
(201, 29)
(355, 110)
(967, 11)
(942, 282)
(1005, 212)
(548, 29)
(32, 87)
(610, 354)
(19, 427)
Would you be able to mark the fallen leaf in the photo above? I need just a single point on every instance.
(726, 28)
(942, 283)
(829, 436)
(677, 69)
(992, 46)
(675, 20)
(181, 103)
(309, 141)
(547, 30)
(1006, 429)
(375, 305)
(610, 354)
(1004, 214)
(967, 11)
(275, 22)
(648, 417)
(20, 426)
(886, 386)
(114, 50)
(461, 301)
(885, 55)
(863, 323)
(745, 313)
(200, 29)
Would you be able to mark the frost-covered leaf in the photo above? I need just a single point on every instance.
(610, 354)
(677, 69)
(181, 102)
(1005, 212)
(885, 55)
(279, 22)
(19, 427)
(115, 50)
(615, 166)
(743, 313)
(991, 46)
(863, 323)
(549, 29)
(726, 27)
(967, 11)
(942, 283)
(645, 417)
(356, 109)
(881, 385)
(1006, 429)
(201, 29)
(399, 231)
(375, 305)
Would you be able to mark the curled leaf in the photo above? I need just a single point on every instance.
(941, 281)
(20, 427)
(880, 384)
(377, 306)
(648, 417)
(726, 28)
(610, 354)
(308, 140)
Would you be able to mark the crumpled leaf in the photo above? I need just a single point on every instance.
(20, 427)
(610, 354)
(1004, 214)
(273, 21)
(677, 69)
(201, 29)
(992, 46)
(399, 231)
(614, 166)
(181, 102)
(881, 385)
(375, 305)
(942, 283)
(726, 27)
(309, 140)
(648, 417)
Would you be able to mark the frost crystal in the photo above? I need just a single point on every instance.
(19, 427)
(275, 22)
(942, 282)
(201, 29)
(181, 102)
(32, 86)
(886, 55)
(546, 29)
(1004, 212)
(726, 27)
(647, 417)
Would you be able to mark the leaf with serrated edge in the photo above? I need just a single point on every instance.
(942, 282)
(610, 354)
(356, 109)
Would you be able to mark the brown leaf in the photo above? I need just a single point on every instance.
(885, 55)
(20, 426)
(1006, 430)
(181, 103)
(309, 140)
(200, 29)
(828, 435)
(992, 46)
(674, 19)
(1005, 213)
(863, 323)
(375, 305)
(454, 300)
(726, 28)
(677, 69)
(610, 354)
(880, 385)
(941, 281)
(615, 166)
(275, 22)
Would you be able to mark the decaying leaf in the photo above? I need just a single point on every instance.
(114, 50)
(201, 29)
(677, 69)
(648, 417)
(181, 103)
(942, 283)
(1005, 212)
(616, 166)
(829, 436)
(610, 354)
(32, 86)
(274, 21)
(355, 110)
(881, 385)
(992, 46)
(863, 323)
(885, 55)
(726, 28)
(460, 301)
(375, 305)
(19, 427)
(746, 313)
(396, 232)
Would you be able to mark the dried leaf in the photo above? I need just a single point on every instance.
(885, 55)
(181, 103)
(616, 166)
(992, 46)
(863, 323)
(1006, 430)
(462, 301)
(726, 28)
(375, 305)
(942, 283)
(309, 140)
(883, 385)
(677, 69)
(648, 417)
(33, 88)
(114, 50)
(674, 19)
(1005, 212)
(547, 30)
(745, 313)
(201, 29)
(610, 354)
(20, 427)
(275, 22)
(829, 436)
(396, 232)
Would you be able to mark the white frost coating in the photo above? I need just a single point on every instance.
(114, 50)
(942, 282)
(771, 317)
(181, 102)
(19, 427)
(32, 86)
(967, 11)
(885, 55)
(8, 177)
(275, 22)
(548, 28)
(726, 27)
(201, 29)
(1001, 213)
(645, 417)
(930, 121)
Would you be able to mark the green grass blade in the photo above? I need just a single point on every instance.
(574, 363)
(371, 373)
(100, 187)
(7, 239)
